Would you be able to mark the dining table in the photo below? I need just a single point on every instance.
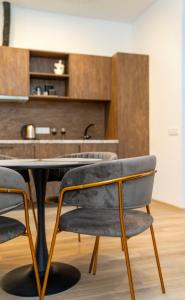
(21, 281)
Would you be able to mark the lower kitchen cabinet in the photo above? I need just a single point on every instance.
(18, 150)
(54, 150)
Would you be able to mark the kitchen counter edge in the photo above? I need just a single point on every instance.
(59, 141)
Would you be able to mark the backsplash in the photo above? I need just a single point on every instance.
(74, 116)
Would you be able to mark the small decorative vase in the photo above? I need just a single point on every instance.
(59, 68)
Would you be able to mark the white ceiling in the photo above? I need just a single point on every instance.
(114, 10)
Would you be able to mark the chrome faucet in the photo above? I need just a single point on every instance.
(86, 136)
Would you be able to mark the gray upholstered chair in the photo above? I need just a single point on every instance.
(12, 195)
(26, 176)
(109, 195)
(58, 174)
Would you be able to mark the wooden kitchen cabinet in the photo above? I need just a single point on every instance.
(90, 77)
(127, 116)
(54, 150)
(86, 77)
(18, 150)
(14, 72)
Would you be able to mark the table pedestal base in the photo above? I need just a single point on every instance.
(21, 281)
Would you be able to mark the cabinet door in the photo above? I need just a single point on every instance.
(19, 151)
(54, 150)
(90, 77)
(14, 72)
(128, 114)
(99, 147)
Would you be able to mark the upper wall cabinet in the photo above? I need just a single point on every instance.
(90, 77)
(45, 82)
(14, 73)
(29, 74)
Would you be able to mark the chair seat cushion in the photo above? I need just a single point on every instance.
(10, 229)
(104, 222)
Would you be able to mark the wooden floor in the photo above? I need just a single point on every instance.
(111, 283)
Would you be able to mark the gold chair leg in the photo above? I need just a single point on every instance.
(156, 255)
(122, 245)
(94, 258)
(52, 246)
(49, 263)
(32, 204)
(124, 241)
(28, 231)
(157, 260)
(79, 237)
(35, 267)
(129, 272)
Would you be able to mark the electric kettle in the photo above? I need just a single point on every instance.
(28, 132)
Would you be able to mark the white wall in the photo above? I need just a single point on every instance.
(158, 32)
(51, 31)
(183, 93)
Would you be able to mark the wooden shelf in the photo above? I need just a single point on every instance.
(48, 76)
(41, 53)
(61, 98)
(49, 97)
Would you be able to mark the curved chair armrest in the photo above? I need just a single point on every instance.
(119, 181)
(108, 170)
(21, 193)
(110, 181)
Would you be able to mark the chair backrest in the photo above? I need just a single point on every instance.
(136, 193)
(93, 154)
(24, 173)
(10, 179)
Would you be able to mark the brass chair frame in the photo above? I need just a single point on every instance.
(119, 181)
(32, 205)
(28, 230)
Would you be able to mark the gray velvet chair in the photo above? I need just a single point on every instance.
(26, 176)
(12, 195)
(109, 195)
(58, 174)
